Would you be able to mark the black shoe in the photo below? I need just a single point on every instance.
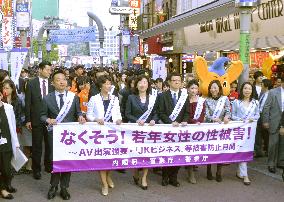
(11, 189)
(52, 192)
(218, 177)
(165, 182)
(144, 187)
(37, 175)
(174, 183)
(271, 169)
(136, 180)
(64, 194)
(283, 175)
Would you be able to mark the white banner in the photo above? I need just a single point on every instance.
(18, 56)
(7, 33)
(3, 60)
(159, 68)
(99, 147)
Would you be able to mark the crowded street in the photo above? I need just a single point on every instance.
(142, 100)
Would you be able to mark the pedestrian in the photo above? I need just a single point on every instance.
(8, 145)
(272, 112)
(141, 109)
(36, 89)
(281, 145)
(171, 113)
(104, 107)
(218, 110)
(196, 107)
(245, 109)
(59, 106)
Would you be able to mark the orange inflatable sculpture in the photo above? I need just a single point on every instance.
(217, 72)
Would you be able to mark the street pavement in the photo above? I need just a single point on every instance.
(85, 187)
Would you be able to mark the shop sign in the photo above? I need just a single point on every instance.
(265, 11)
(167, 48)
(135, 5)
(121, 10)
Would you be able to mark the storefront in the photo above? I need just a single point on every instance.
(222, 34)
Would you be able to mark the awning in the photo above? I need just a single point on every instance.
(258, 43)
(213, 10)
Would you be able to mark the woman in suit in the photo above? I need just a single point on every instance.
(218, 110)
(140, 109)
(196, 114)
(8, 145)
(104, 107)
(246, 108)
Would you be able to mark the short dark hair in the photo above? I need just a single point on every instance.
(57, 72)
(3, 74)
(79, 66)
(267, 83)
(169, 77)
(241, 97)
(192, 82)
(43, 64)
(159, 80)
(102, 80)
(220, 88)
(139, 78)
(257, 74)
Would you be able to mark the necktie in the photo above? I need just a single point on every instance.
(175, 98)
(61, 101)
(43, 88)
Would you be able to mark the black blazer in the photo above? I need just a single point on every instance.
(134, 109)
(50, 109)
(33, 101)
(166, 107)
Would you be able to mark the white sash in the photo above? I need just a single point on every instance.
(250, 110)
(179, 105)
(199, 108)
(262, 100)
(109, 109)
(152, 100)
(112, 89)
(219, 107)
(65, 108)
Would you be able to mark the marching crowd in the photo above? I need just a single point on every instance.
(49, 95)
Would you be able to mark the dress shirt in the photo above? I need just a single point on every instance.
(58, 98)
(41, 85)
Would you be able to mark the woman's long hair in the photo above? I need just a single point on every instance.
(14, 91)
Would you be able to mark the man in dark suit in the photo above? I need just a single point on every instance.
(167, 103)
(36, 89)
(52, 105)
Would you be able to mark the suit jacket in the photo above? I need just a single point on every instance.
(134, 109)
(33, 101)
(272, 110)
(50, 109)
(12, 126)
(166, 107)
(96, 109)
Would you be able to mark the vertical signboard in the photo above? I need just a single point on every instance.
(22, 14)
(7, 24)
(135, 4)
